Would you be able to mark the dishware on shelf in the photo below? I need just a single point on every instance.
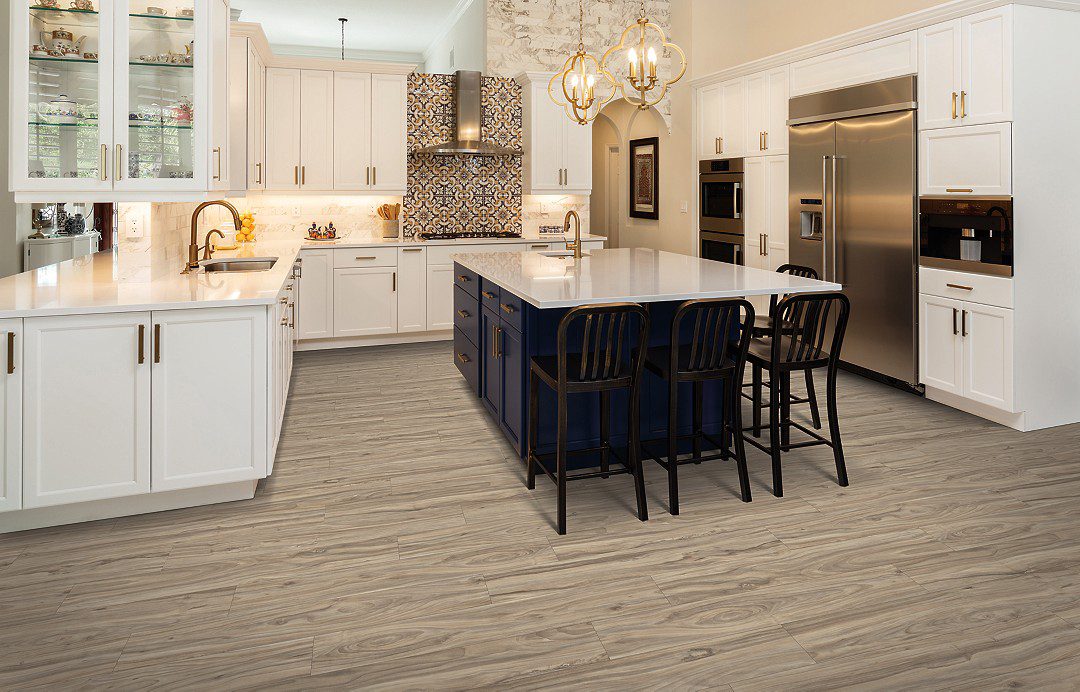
(62, 40)
(90, 56)
(84, 5)
(62, 110)
(158, 11)
(185, 12)
(46, 4)
(146, 58)
(39, 50)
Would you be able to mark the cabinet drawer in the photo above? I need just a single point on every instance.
(466, 314)
(511, 310)
(465, 358)
(490, 294)
(974, 160)
(345, 258)
(465, 279)
(974, 288)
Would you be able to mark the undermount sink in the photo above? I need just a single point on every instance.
(240, 264)
(562, 253)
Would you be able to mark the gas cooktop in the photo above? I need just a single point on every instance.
(453, 235)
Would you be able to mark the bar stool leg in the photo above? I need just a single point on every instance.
(605, 432)
(757, 400)
(534, 428)
(785, 409)
(732, 403)
(673, 447)
(811, 394)
(698, 402)
(834, 430)
(561, 456)
(740, 446)
(774, 433)
(634, 454)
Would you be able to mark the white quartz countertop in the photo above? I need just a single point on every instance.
(361, 241)
(627, 274)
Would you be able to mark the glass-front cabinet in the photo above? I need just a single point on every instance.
(116, 98)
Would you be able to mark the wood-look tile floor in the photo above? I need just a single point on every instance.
(397, 547)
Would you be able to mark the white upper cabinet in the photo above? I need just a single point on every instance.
(767, 112)
(254, 119)
(316, 130)
(352, 130)
(11, 372)
(733, 135)
(966, 161)
(708, 121)
(892, 56)
(283, 129)
(558, 151)
(965, 71)
(389, 109)
(128, 106)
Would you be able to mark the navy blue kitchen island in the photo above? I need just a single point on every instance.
(507, 310)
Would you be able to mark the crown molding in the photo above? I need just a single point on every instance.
(954, 9)
(315, 58)
(254, 33)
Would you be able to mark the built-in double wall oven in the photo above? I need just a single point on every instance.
(972, 235)
(721, 199)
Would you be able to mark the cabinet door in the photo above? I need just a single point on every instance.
(283, 129)
(412, 290)
(776, 209)
(577, 157)
(939, 75)
(708, 123)
(733, 119)
(545, 143)
(316, 130)
(490, 370)
(389, 96)
(940, 344)
(755, 210)
(365, 301)
(988, 355)
(87, 379)
(511, 356)
(200, 395)
(966, 161)
(256, 120)
(316, 294)
(757, 106)
(218, 151)
(987, 73)
(352, 131)
(11, 373)
(440, 297)
(776, 127)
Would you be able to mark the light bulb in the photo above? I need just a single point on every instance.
(652, 55)
(590, 80)
(633, 56)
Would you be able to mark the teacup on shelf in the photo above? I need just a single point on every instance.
(159, 11)
(86, 5)
(90, 56)
(185, 12)
(39, 50)
(50, 4)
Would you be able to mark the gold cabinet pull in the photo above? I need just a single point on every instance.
(258, 170)
(721, 145)
(103, 164)
(119, 161)
(542, 246)
(464, 278)
(217, 153)
(303, 175)
(463, 314)
(464, 358)
(365, 257)
(487, 294)
(374, 175)
(284, 301)
(412, 249)
(959, 189)
(766, 140)
(11, 353)
(962, 288)
(963, 104)
(296, 175)
(368, 176)
(394, 282)
(157, 343)
(142, 344)
(954, 105)
(508, 309)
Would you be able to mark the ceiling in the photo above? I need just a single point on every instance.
(375, 26)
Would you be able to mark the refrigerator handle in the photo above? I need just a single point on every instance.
(824, 214)
(835, 274)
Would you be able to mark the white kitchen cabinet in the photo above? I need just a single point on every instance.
(256, 119)
(87, 377)
(389, 114)
(440, 297)
(966, 161)
(316, 130)
(558, 151)
(892, 56)
(282, 129)
(767, 112)
(966, 349)
(708, 121)
(352, 130)
(412, 290)
(723, 111)
(316, 299)
(365, 301)
(733, 123)
(965, 70)
(143, 128)
(209, 407)
(765, 200)
(11, 373)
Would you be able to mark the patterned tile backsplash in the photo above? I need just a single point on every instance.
(481, 193)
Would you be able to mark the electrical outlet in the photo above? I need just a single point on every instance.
(135, 226)
(684, 207)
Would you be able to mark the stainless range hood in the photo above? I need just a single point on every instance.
(468, 137)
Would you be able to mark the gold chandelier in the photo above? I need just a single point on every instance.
(574, 87)
(642, 87)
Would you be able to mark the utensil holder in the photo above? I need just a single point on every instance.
(390, 228)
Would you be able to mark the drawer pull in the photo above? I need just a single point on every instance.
(11, 353)
(463, 314)
(412, 249)
(284, 301)
(959, 189)
(142, 345)
(464, 358)
(962, 288)
(963, 323)
(368, 257)
(508, 309)
(463, 278)
(540, 247)
(157, 343)
(487, 294)
(954, 330)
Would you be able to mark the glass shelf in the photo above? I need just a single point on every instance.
(82, 123)
(63, 15)
(82, 61)
(181, 66)
(137, 125)
(159, 23)
(161, 17)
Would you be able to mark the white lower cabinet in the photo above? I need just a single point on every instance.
(316, 303)
(440, 297)
(365, 300)
(86, 426)
(209, 405)
(11, 373)
(412, 289)
(966, 349)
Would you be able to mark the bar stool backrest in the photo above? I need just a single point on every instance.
(722, 331)
(605, 331)
(802, 325)
(794, 270)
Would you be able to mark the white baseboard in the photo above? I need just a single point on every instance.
(384, 340)
(1016, 421)
(40, 517)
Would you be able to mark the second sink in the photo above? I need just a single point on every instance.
(240, 264)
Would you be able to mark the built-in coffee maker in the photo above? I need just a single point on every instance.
(971, 235)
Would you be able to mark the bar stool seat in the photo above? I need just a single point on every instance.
(760, 353)
(547, 368)
(658, 360)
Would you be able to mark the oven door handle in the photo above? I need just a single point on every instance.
(736, 201)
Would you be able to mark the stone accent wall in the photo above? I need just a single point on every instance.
(539, 35)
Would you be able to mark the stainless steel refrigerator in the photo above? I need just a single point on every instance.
(853, 215)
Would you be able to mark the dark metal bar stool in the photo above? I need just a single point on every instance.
(763, 325)
(716, 351)
(598, 367)
(797, 342)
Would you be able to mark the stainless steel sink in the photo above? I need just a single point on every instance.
(240, 264)
(562, 253)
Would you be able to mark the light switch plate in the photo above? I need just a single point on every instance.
(684, 207)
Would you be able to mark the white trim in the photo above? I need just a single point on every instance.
(389, 340)
(908, 22)
(292, 50)
(1016, 421)
(321, 58)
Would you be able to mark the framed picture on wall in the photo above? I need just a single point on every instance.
(644, 181)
